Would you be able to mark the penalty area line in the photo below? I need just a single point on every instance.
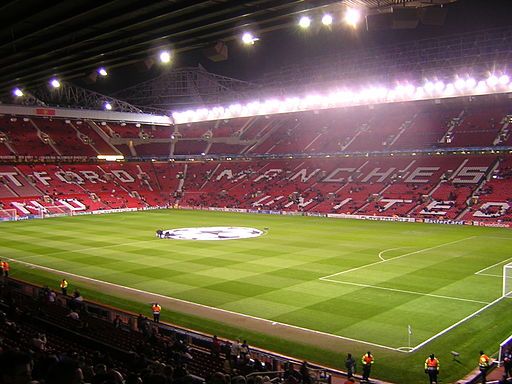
(486, 268)
(396, 257)
(456, 324)
(405, 291)
(213, 309)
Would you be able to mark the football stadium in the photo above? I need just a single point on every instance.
(252, 192)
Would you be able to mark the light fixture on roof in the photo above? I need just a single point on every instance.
(352, 17)
(492, 81)
(55, 83)
(102, 72)
(504, 79)
(326, 19)
(107, 106)
(165, 57)
(248, 38)
(304, 22)
(17, 92)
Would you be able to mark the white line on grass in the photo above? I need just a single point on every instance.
(386, 250)
(485, 269)
(397, 257)
(404, 291)
(271, 322)
(456, 324)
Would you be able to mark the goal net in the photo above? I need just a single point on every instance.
(54, 211)
(8, 214)
(507, 280)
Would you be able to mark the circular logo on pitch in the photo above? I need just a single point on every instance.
(211, 233)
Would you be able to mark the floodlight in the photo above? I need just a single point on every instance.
(248, 38)
(165, 57)
(439, 86)
(449, 89)
(327, 19)
(470, 83)
(107, 106)
(102, 71)
(55, 83)
(492, 81)
(504, 80)
(429, 86)
(481, 86)
(17, 92)
(460, 83)
(352, 17)
(304, 22)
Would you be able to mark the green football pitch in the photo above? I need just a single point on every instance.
(401, 290)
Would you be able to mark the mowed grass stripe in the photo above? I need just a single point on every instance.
(267, 275)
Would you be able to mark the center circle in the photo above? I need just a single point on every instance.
(210, 233)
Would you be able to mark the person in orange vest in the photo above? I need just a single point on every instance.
(64, 287)
(367, 360)
(432, 368)
(1, 268)
(484, 363)
(156, 312)
(5, 268)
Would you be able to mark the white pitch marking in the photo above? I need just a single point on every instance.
(404, 291)
(386, 250)
(456, 324)
(489, 274)
(397, 257)
(485, 269)
(274, 323)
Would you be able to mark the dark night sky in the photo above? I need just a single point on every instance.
(290, 45)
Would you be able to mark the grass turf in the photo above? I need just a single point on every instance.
(366, 281)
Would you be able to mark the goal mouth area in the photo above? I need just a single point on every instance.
(507, 281)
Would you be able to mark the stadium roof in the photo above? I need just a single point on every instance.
(72, 39)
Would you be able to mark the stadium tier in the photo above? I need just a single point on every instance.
(379, 161)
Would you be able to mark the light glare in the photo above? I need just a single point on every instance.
(327, 19)
(102, 71)
(55, 83)
(504, 80)
(17, 92)
(352, 17)
(304, 22)
(165, 57)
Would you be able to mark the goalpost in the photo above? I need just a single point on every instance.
(54, 211)
(507, 280)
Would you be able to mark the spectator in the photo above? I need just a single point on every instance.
(304, 371)
(65, 372)
(39, 342)
(350, 365)
(215, 346)
(73, 315)
(244, 350)
(15, 368)
(117, 322)
(507, 362)
(234, 351)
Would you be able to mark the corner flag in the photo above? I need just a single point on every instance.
(409, 329)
